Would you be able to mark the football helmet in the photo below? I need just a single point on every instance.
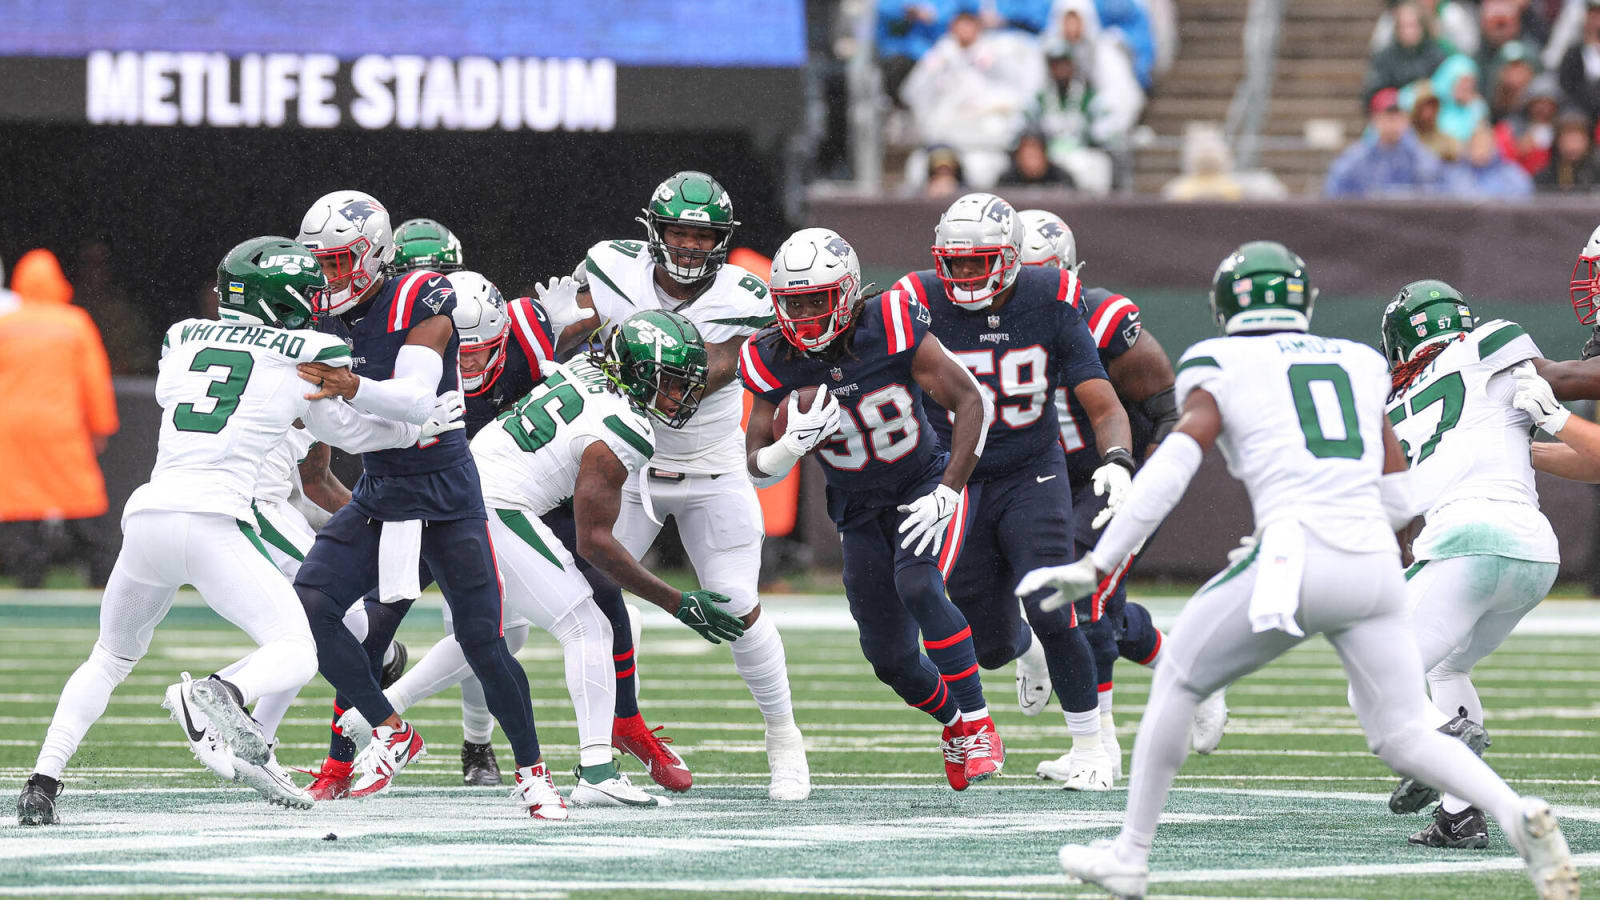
(815, 261)
(1585, 290)
(426, 244)
(984, 227)
(696, 199)
(1424, 313)
(351, 231)
(1047, 241)
(651, 351)
(1262, 286)
(482, 323)
(270, 281)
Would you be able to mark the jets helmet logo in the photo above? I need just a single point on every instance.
(291, 264)
(648, 333)
(359, 211)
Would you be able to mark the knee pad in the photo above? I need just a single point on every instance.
(889, 663)
(320, 608)
(996, 655)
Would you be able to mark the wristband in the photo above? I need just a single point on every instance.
(1120, 457)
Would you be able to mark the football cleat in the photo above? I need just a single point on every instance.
(1033, 680)
(1210, 717)
(479, 768)
(220, 702)
(355, 728)
(331, 782)
(37, 805)
(1539, 841)
(1098, 864)
(391, 750)
(1465, 830)
(953, 745)
(272, 782)
(204, 741)
(1110, 744)
(1411, 795)
(614, 791)
(536, 792)
(986, 753)
(664, 766)
(395, 667)
(786, 758)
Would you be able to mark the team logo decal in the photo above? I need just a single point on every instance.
(838, 247)
(359, 211)
(1052, 231)
(836, 373)
(1419, 319)
(435, 299)
(994, 321)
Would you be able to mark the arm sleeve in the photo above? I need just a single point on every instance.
(1079, 360)
(339, 424)
(99, 395)
(1156, 490)
(410, 395)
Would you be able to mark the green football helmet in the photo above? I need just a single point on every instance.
(656, 356)
(1262, 286)
(695, 199)
(270, 281)
(1424, 313)
(426, 244)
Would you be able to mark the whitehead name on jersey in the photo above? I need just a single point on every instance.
(528, 458)
(228, 395)
(1302, 428)
(621, 279)
(1468, 448)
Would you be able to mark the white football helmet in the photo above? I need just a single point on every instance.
(815, 261)
(1047, 241)
(1585, 290)
(353, 230)
(983, 227)
(482, 323)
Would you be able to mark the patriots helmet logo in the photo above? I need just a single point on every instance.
(1052, 231)
(1000, 211)
(838, 247)
(359, 211)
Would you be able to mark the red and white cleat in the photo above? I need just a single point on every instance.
(986, 753)
(664, 766)
(953, 744)
(331, 782)
(391, 750)
(536, 792)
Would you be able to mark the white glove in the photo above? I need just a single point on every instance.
(926, 519)
(1111, 481)
(805, 430)
(1070, 582)
(1247, 546)
(446, 415)
(1535, 398)
(560, 301)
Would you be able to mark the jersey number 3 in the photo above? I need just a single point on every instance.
(236, 366)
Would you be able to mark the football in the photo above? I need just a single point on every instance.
(780, 419)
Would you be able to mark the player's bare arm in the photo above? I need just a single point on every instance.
(596, 502)
(1143, 376)
(722, 363)
(1573, 379)
(951, 386)
(318, 482)
(1106, 415)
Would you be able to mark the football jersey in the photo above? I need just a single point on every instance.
(531, 342)
(884, 443)
(621, 279)
(280, 469)
(1468, 448)
(228, 392)
(1302, 428)
(1114, 324)
(528, 458)
(1019, 354)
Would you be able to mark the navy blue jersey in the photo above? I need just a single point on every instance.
(884, 442)
(1020, 354)
(1114, 325)
(531, 342)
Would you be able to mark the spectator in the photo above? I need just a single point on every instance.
(1501, 24)
(1423, 105)
(944, 177)
(1104, 61)
(907, 29)
(1388, 160)
(1073, 121)
(1512, 71)
(1410, 56)
(1483, 174)
(1525, 138)
(1572, 165)
(1452, 25)
(1579, 72)
(55, 384)
(1031, 165)
(1461, 108)
(1207, 170)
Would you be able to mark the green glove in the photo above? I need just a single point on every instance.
(701, 610)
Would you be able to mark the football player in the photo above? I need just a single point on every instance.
(228, 394)
(1020, 333)
(899, 500)
(426, 244)
(697, 475)
(1301, 421)
(576, 437)
(1486, 555)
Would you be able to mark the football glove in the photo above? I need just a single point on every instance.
(560, 301)
(1112, 481)
(446, 415)
(1247, 546)
(926, 519)
(1070, 582)
(1535, 398)
(701, 611)
(805, 430)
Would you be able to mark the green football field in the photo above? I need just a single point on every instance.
(1292, 806)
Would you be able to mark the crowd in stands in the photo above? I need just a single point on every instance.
(1022, 91)
(1492, 99)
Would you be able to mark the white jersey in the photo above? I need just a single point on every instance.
(228, 393)
(280, 471)
(1468, 448)
(1302, 428)
(621, 279)
(528, 458)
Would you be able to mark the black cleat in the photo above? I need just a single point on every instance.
(394, 668)
(1411, 795)
(1466, 830)
(478, 765)
(37, 805)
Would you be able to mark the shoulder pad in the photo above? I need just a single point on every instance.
(531, 327)
(753, 369)
(323, 348)
(419, 295)
(1107, 315)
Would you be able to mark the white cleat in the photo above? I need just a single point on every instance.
(1539, 840)
(614, 791)
(355, 728)
(204, 741)
(215, 698)
(1110, 744)
(272, 782)
(1088, 771)
(536, 793)
(1098, 864)
(1033, 680)
(1210, 717)
(786, 758)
